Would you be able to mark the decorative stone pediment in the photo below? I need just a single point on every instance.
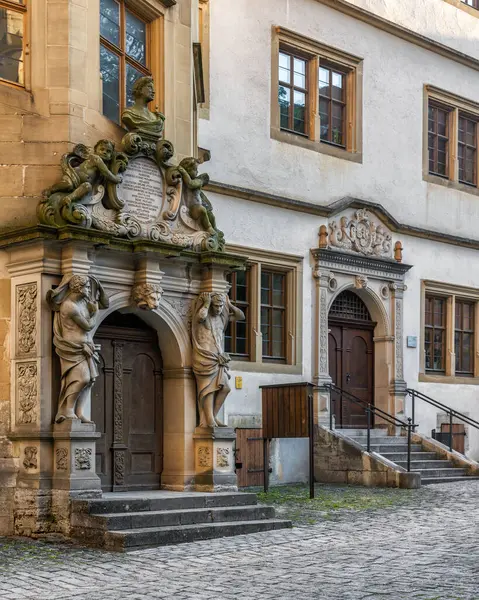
(359, 232)
(134, 192)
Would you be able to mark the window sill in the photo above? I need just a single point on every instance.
(447, 379)
(452, 185)
(323, 148)
(260, 367)
(474, 12)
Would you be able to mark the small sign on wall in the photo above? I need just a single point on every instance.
(411, 341)
(239, 383)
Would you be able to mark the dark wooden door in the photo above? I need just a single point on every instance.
(351, 353)
(127, 405)
(249, 457)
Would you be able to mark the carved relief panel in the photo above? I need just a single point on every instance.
(26, 301)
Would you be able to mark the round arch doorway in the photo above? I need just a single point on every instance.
(127, 405)
(351, 358)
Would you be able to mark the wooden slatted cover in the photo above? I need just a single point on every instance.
(285, 410)
(458, 436)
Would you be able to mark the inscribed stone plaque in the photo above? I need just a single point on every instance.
(142, 190)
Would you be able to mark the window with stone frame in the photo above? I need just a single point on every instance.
(273, 315)
(451, 340)
(472, 3)
(452, 140)
(12, 41)
(237, 335)
(124, 55)
(319, 94)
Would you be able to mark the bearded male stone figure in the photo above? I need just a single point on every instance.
(212, 314)
(76, 302)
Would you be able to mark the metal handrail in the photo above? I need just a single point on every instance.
(371, 409)
(450, 411)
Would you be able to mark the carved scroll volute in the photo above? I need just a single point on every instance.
(119, 164)
(173, 193)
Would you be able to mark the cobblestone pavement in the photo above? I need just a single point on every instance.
(426, 548)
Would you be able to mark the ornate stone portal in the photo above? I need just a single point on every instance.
(134, 192)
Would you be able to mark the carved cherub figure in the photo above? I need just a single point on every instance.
(194, 183)
(78, 180)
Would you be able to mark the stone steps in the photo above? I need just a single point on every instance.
(431, 467)
(125, 521)
(134, 539)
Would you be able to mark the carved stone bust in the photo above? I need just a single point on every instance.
(147, 296)
(139, 118)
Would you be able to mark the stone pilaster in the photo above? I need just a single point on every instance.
(398, 384)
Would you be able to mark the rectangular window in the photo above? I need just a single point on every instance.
(319, 96)
(435, 334)
(124, 55)
(237, 342)
(273, 313)
(293, 92)
(332, 105)
(464, 338)
(473, 3)
(467, 154)
(438, 140)
(12, 33)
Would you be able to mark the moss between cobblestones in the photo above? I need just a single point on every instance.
(293, 502)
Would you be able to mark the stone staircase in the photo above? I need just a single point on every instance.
(432, 468)
(134, 520)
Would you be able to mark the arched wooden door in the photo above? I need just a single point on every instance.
(127, 405)
(351, 358)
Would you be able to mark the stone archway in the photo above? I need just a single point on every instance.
(179, 391)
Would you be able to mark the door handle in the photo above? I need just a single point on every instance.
(348, 378)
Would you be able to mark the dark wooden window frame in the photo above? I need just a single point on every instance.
(465, 146)
(273, 307)
(245, 306)
(22, 9)
(332, 68)
(433, 328)
(124, 58)
(460, 331)
(292, 88)
(447, 109)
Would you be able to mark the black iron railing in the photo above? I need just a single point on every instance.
(453, 414)
(371, 412)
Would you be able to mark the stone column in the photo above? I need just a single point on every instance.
(324, 282)
(398, 385)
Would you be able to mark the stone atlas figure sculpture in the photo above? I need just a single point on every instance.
(76, 303)
(211, 316)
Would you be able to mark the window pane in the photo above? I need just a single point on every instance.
(324, 118)
(110, 21)
(299, 72)
(299, 112)
(283, 99)
(441, 122)
(427, 348)
(284, 75)
(132, 75)
(284, 60)
(135, 38)
(11, 45)
(324, 75)
(110, 70)
(337, 124)
(337, 88)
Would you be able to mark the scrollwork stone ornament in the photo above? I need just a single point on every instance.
(211, 316)
(27, 392)
(76, 303)
(146, 296)
(360, 234)
(61, 455)
(136, 192)
(204, 456)
(223, 457)
(30, 461)
(27, 318)
(119, 467)
(83, 459)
